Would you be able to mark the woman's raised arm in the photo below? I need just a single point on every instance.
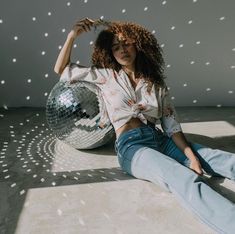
(63, 59)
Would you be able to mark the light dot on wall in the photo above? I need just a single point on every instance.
(222, 18)
(198, 42)
(43, 53)
(208, 89)
(185, 85)
(5, 107)
(46, 75)
(63, 30)
(49, 13)
(68, 3)
(219, 105)
(22, 192)
(194, 101)
(45, 94)
(46, 34)
(91, 42)
(173, 27)
(232, 67)
(123, 10)
(2, 81)
(233, 49)
(60, 47)
(1, 21)
(173, 98)
(75, 46)
(192, 62)
(85, 1)
(14, 60)
(164, 2)
(190, 21)
(101, 17)
(162, 45)
(28, 97)
(208, 63)
(194, 1)
(15, 38)
(230, 91)
(146, 8)
(181, 45)
(34, 18)
(153, 31)
(168, 65)
(29, 80)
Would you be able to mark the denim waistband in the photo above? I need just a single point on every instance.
(142, 126)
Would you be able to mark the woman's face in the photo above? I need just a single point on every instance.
(124, 51)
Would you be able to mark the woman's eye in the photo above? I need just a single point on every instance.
(115, 48)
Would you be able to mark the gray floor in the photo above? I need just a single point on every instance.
(48, 187)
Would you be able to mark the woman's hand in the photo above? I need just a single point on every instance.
(81, 26)
(196, 166)
(140, 106)
(73, 81)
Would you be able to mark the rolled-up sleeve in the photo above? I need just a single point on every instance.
(75, 72)
(169, 121)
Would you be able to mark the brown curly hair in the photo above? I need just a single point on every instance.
(149, 62)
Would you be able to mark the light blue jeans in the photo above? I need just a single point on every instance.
(149, 154)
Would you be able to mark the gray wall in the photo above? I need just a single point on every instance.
(209, 79)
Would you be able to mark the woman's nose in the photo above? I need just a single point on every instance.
(123, 48)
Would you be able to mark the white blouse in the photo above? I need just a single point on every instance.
(122, 101)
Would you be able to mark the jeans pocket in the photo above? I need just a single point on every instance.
(123, 143)
(127, 138)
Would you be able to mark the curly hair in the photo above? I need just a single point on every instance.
(149, 62)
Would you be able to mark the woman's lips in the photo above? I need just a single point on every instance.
(125, 56)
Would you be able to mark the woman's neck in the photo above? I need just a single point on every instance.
(130, 70)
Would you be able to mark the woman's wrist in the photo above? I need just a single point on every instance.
(189, 153)
(193, 159)
(71, 36)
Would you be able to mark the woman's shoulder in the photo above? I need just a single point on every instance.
(90, 68)
(104, 71)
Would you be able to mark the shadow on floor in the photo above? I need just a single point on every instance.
(24, 165)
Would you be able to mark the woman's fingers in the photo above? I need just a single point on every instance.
(196, 166)
(72, 81)
(80, 26)
(87, 25)
(130, 102)
(87, 21)
(90, 20)
(84, 24)
(142, 107)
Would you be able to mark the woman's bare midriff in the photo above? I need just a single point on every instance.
(132, 123)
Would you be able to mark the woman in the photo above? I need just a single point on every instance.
(128, 69)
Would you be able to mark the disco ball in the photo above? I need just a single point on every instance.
(73, 112)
